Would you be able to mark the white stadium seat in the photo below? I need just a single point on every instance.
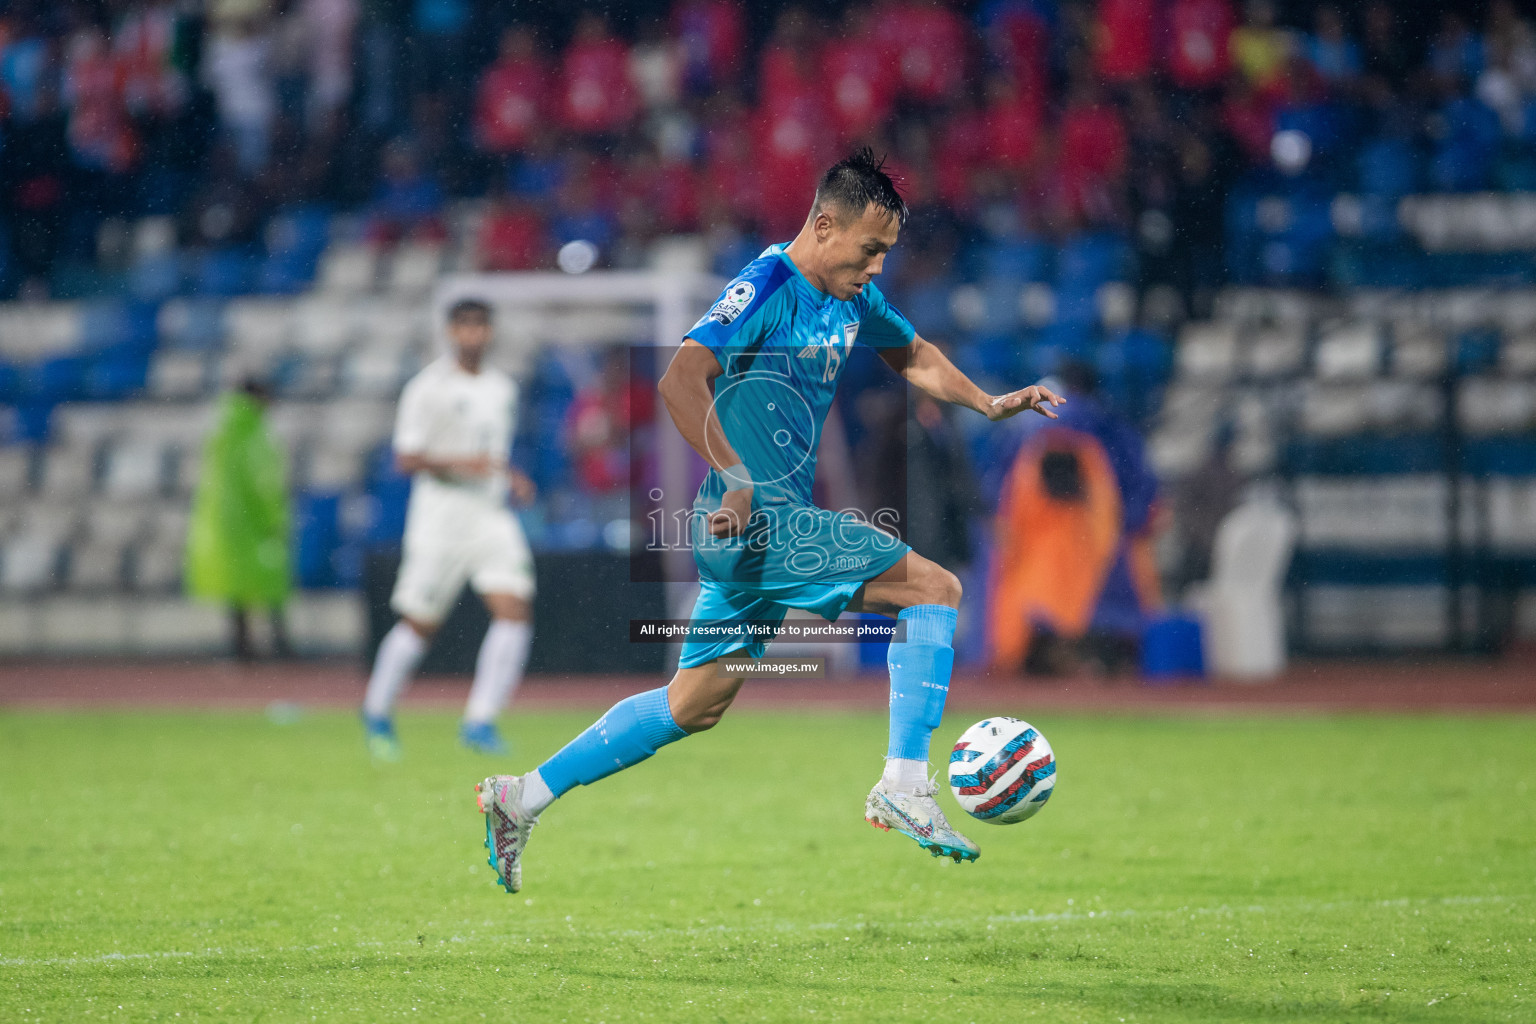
(30, 331)
(348, 268)
(15, 470)
(1274, 352)
(178, 375)
(368, 372)
(157, 566)
(135, 468)
(1334, 411)
(1418, 351)
(1349, 352)
(116, 522)
(414, 269)
(1207, 352)
(258, 327)
(1518, 356)
(28, 563)
(68, 471)
(95, 565)
(76, 625)
(324, 326)
(1491, 405)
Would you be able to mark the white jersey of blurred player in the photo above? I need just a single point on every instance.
(453, 433)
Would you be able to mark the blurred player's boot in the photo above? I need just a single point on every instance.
(917, 815)
(507, 824)
(379, 733)
(483, 738)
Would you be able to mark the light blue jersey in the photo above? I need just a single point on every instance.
(783, 344)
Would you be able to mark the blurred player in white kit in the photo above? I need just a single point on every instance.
(453, 433)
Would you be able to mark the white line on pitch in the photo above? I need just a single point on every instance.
(790, 927)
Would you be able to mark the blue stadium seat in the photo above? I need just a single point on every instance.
(1088, 261)
(998, 355)
(1134, 366)
(316, 534)
(114, 322)
(11, 380)
(116, 373)
(1077, 306)
(227, 271)
(1477, 352)
(1019, 259)
(1000, 293)
(1463, 161)
(390, 496)
(33, 421)
(296, 239)
(156, 278)
(1322, 123)
(1387, 167)
(927, 303)
(195, 323)
(162, 191)
(7, 267)
(60, 379)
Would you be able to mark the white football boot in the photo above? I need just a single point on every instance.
(917, 815)
(507, 825)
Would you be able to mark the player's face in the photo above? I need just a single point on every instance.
(855, 250)
(471, 336)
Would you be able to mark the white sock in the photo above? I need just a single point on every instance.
(904, 774)
(399, 654)
(536, 794)
(498, 669)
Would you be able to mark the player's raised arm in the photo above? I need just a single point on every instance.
(687, 388)
(926, 367)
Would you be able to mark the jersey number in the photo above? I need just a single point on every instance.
(834, 360)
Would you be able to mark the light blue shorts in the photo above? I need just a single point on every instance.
(790, 556)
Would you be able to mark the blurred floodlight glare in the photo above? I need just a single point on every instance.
(1291, 150)
(577, 257)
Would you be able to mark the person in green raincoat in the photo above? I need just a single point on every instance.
(237, 540)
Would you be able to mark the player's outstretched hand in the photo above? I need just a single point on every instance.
(1036, 397)
(523, 489)
(732, 515)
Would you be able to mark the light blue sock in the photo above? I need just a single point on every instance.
(920, 669)
(632, 730)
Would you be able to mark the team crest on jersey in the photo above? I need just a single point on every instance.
(735, 301)
(850, 332)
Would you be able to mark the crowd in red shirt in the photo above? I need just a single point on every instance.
(1052, 116)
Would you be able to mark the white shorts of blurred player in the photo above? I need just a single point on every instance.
(488, 550)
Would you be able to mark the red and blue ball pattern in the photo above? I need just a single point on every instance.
(1002, 770)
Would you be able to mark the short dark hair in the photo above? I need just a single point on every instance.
(465, 309)
(256, 387)
(856, 182)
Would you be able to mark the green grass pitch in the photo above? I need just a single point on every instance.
(1196, 868)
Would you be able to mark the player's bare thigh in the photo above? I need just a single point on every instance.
(913, 580)
(501, 606)
(508, 606)
(699, 696)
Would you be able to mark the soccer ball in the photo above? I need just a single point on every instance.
(1002, 771)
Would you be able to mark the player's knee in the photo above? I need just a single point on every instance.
(942, 587)
(425, 630)
(698, 701)
(706, 717)
(702, 722)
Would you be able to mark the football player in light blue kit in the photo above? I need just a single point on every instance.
(749, 390)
